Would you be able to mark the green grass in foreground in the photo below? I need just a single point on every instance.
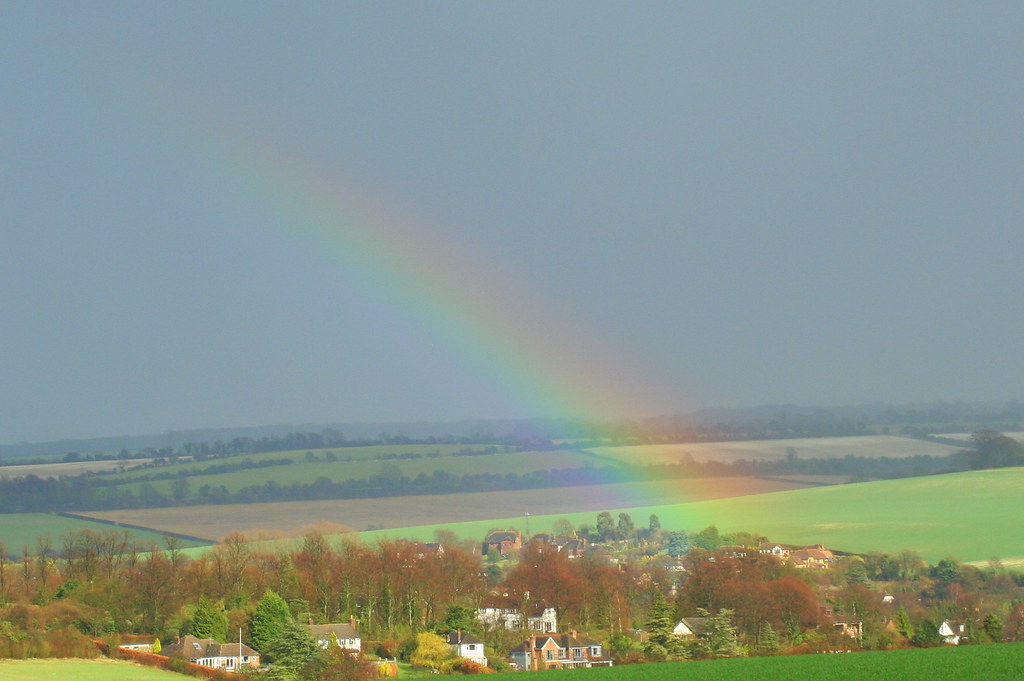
(1003, 662)
(100, 669)
(973, 516)
(22, 529)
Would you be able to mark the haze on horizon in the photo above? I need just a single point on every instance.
(739, 205)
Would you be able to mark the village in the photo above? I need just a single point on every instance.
(570, 600)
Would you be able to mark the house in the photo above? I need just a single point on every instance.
(207, 652)
(542, 618)
(853, 629)
(690, 627)
(503, 541)
(570, 546)
(559, 651)
(467, 646)
(812, 558)
(346, 634)
(430, 550)
(954, 633)
(770, 549)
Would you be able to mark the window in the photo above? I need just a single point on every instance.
(231, 662)
(472, 646)
(549, 654)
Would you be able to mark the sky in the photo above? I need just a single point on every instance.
(237, 213)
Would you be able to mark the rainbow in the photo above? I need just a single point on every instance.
(534, 356)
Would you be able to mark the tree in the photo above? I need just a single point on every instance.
(857, 573)
(605, 526)
(653, 524)
(659, 620)
(431, 651)
(269, 619)
(678, 544)
(992, 626)
(156, 646)
(903, 624)
(458, 617)
(626, 527)
(209, 621)
(708, 538)
(767, 639)
(720, 638)
(292, 649)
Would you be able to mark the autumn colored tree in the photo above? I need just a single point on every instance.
(431, 651)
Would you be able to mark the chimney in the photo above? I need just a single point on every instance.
(352, 622)
(574, 633)
(310, 620)
(458, 636)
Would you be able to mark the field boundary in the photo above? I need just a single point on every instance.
(187, 537)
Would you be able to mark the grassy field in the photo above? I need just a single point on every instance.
(216, 522)
(99, 669)
(1004, 662)
(19, 529)
(973, 516)
(306, 472)
(805, 448)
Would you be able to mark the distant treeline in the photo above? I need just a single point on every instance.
(32, 493)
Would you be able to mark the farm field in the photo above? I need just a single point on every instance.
(1002, 662)
(216, 522)
(805, 448)
(973, 516)
(296, 456)
(966, 437)
(20, 529)
(337, 471)
(55, 470)
(99, 669)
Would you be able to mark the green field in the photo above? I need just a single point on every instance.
(973, 516)
(100, 669)
(774, 450)
(1004, 662)
(337, 471)
(22, 529)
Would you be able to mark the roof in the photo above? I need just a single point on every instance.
(497, 536)
(322, 632)
(697, 625)
(459, 637)
(193, 648)
(560, 640)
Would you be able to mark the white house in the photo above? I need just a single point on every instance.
(348, 637)
(953, 632)
(544, 620)
(207, 652)
(467, 646)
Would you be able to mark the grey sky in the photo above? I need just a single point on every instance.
(741, 203)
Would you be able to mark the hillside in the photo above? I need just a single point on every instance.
(971, 515)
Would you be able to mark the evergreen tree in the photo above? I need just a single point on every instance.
(767, 639)
(720, 638)
(626, 527)
(268, 619)
(659, 620)
(209, 621)
(903, 623)
(291, 650)
(653, 524)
